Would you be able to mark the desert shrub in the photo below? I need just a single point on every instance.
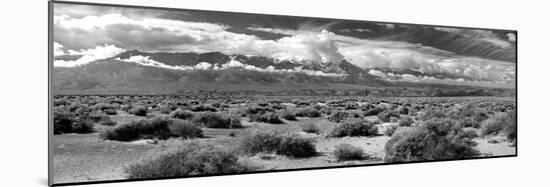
(338, 116)
(345, 152)
(386, 115)
(403, 110)
(189, 159)
(324, 109)
(405, 121)
(258, 142)
(436, 139)
(138, 110)
(59, 102)
(83, 126)
(390, 129)
(470, 132)
(96, 116)
(107, 121)
(158, 128)
(203, 108)
(147, 128)
(216, 105)
(501, 122)
(493, 125)
(63, 122)
(354, 127)
(252, 110)
(432, 113)
(217, 120)
(510, 128)
(269, 117)
(271, 142)
(181, 114)
(287, 115)
(302, 103)
(469, 122)
(184, 129)
(310, 128)
(107, 108)
(66, 122)
(277, 107)
(373, 111)
(82, 110)
(308, 112)
(475, 114)
(296, 146)
(351, 106)
(166, 108)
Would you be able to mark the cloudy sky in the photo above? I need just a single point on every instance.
(437, 54)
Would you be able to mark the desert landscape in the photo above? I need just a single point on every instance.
(142, 93)
(313, 132)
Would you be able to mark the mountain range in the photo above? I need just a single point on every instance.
(120, 75)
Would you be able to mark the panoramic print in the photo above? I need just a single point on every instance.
(143, 93)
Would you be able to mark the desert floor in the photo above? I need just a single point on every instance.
(85, 157)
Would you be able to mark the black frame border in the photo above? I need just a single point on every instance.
(50, 95)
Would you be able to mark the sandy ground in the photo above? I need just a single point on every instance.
(84, 157)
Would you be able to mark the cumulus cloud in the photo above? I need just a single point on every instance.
(89, 55)
(153, 34)
(58, 49)
(511, 37)
(309, 43)
(470, 67)
(232, 63)
(147, 61)
(144, 34)
(203, 66)
(400, 55)
(395, 77)
(484, 35)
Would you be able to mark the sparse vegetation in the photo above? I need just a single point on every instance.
(373, 111)
(181, 114)
(355, 127)
(83, 126)
(272, 142)
(217, 120)
(308, 112)
(436, 139)
(144, 129)
(189, 159)
(386, 115)
(65, 122)
(420, 128)
(184, 129)
(287, 115)
(338, 116)
(269, 117)
(500, 123)
(345, 152)
(203, 108)
(391, 129)
(405, 121)
(138, 110)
